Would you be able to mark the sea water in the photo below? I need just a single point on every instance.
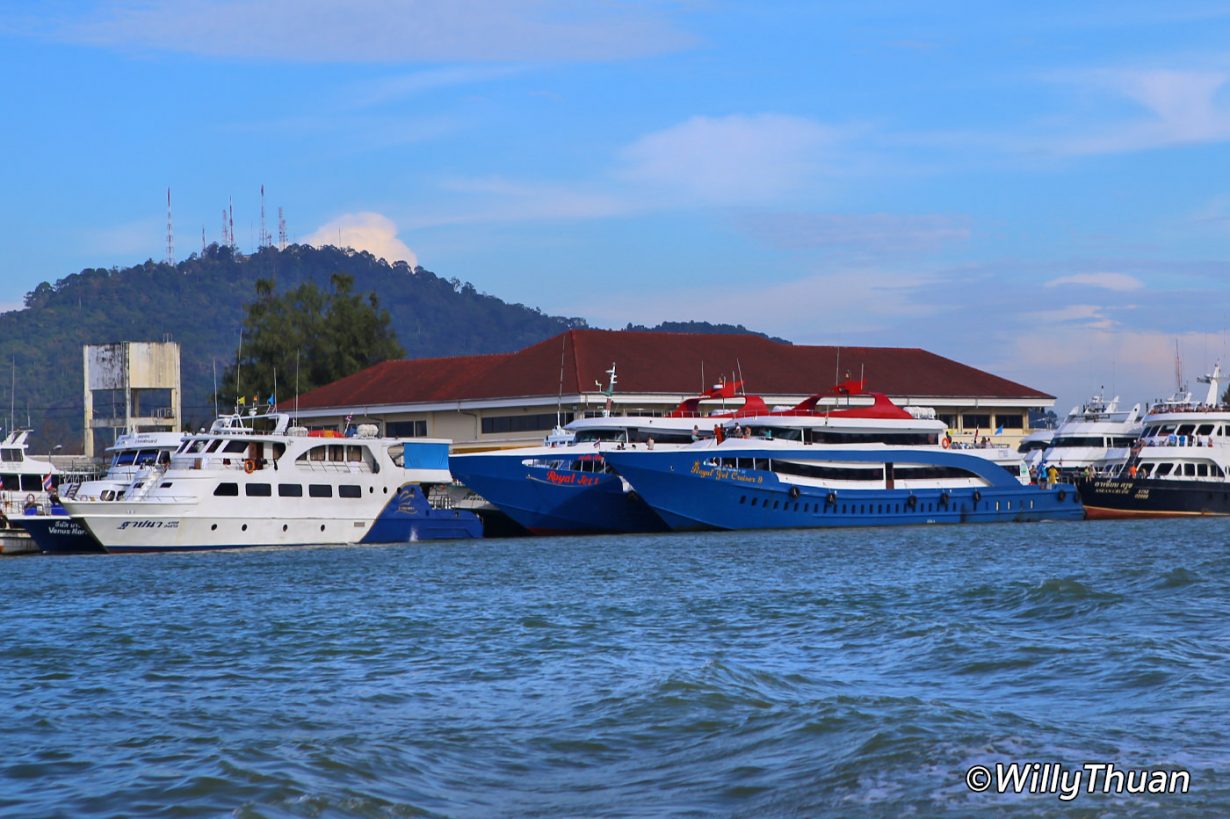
(849, 672)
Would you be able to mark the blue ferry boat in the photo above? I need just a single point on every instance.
(868, 466)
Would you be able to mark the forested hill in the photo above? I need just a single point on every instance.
(200, 303)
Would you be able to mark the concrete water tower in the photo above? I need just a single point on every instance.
(143, 381)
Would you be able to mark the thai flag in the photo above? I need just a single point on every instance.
(47, 483)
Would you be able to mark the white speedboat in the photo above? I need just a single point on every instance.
(255, 480)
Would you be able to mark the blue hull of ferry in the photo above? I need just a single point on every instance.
(555, 501)
(688, 495)
(61, 535)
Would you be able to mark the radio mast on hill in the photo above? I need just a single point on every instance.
(264, 240)
(281, 229)
(170, 232)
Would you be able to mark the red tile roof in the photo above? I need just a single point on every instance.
(661, 363)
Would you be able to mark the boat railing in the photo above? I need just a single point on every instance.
(340, 467)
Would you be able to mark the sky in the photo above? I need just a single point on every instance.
(1040, 190)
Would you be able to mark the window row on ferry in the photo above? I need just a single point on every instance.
(1183, 434)
(1179, 471)
(290, 490)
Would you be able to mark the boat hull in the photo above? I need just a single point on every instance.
(555, 501)
(1139, 498)
(60, 535)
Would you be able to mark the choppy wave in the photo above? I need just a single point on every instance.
(788, 673)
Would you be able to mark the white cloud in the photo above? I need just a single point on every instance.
(1182, 108)
(1107, 281)
(731, 160)
(368, 231)
(378, 30)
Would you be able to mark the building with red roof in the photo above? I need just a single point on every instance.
(509, 399)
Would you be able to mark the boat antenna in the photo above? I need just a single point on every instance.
(559, 401)
(238, 364)
(215, 365)
(274, 396)
(296, 385)
(739, 367)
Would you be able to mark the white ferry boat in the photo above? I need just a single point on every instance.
(134, 456)
(255, 480)
(1095, 437)
(27, 484)
(1179, 466)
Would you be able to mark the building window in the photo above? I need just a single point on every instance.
(1009, 421)
(974, 420)
(406, 429)
(518, 423)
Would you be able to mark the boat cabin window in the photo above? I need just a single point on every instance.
(194, 446)
(830, 436)
(320, 490)
(781, 433)
(588, 436)
(1144, 470)
(1164, 469)
(332, 453)
(227, 490)
(1189, 470)
(235, 447)
(1204, 429)
(397, 454)
(290, 490)
(1202, 470)
(349, 490)
(258, 490)
(661, 436)
(22, 483)
(10, 455)
(1122, 441)
(1185, 429)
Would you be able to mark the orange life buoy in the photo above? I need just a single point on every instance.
(249, 465)
(946, 442)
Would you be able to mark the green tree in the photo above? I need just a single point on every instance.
(306, 338)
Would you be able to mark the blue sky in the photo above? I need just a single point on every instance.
(1041, 190)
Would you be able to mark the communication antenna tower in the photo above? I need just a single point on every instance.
(203, 245)
(263, 241)
(281, 230)
(170, 232)
(230, 206)
(226, 242)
